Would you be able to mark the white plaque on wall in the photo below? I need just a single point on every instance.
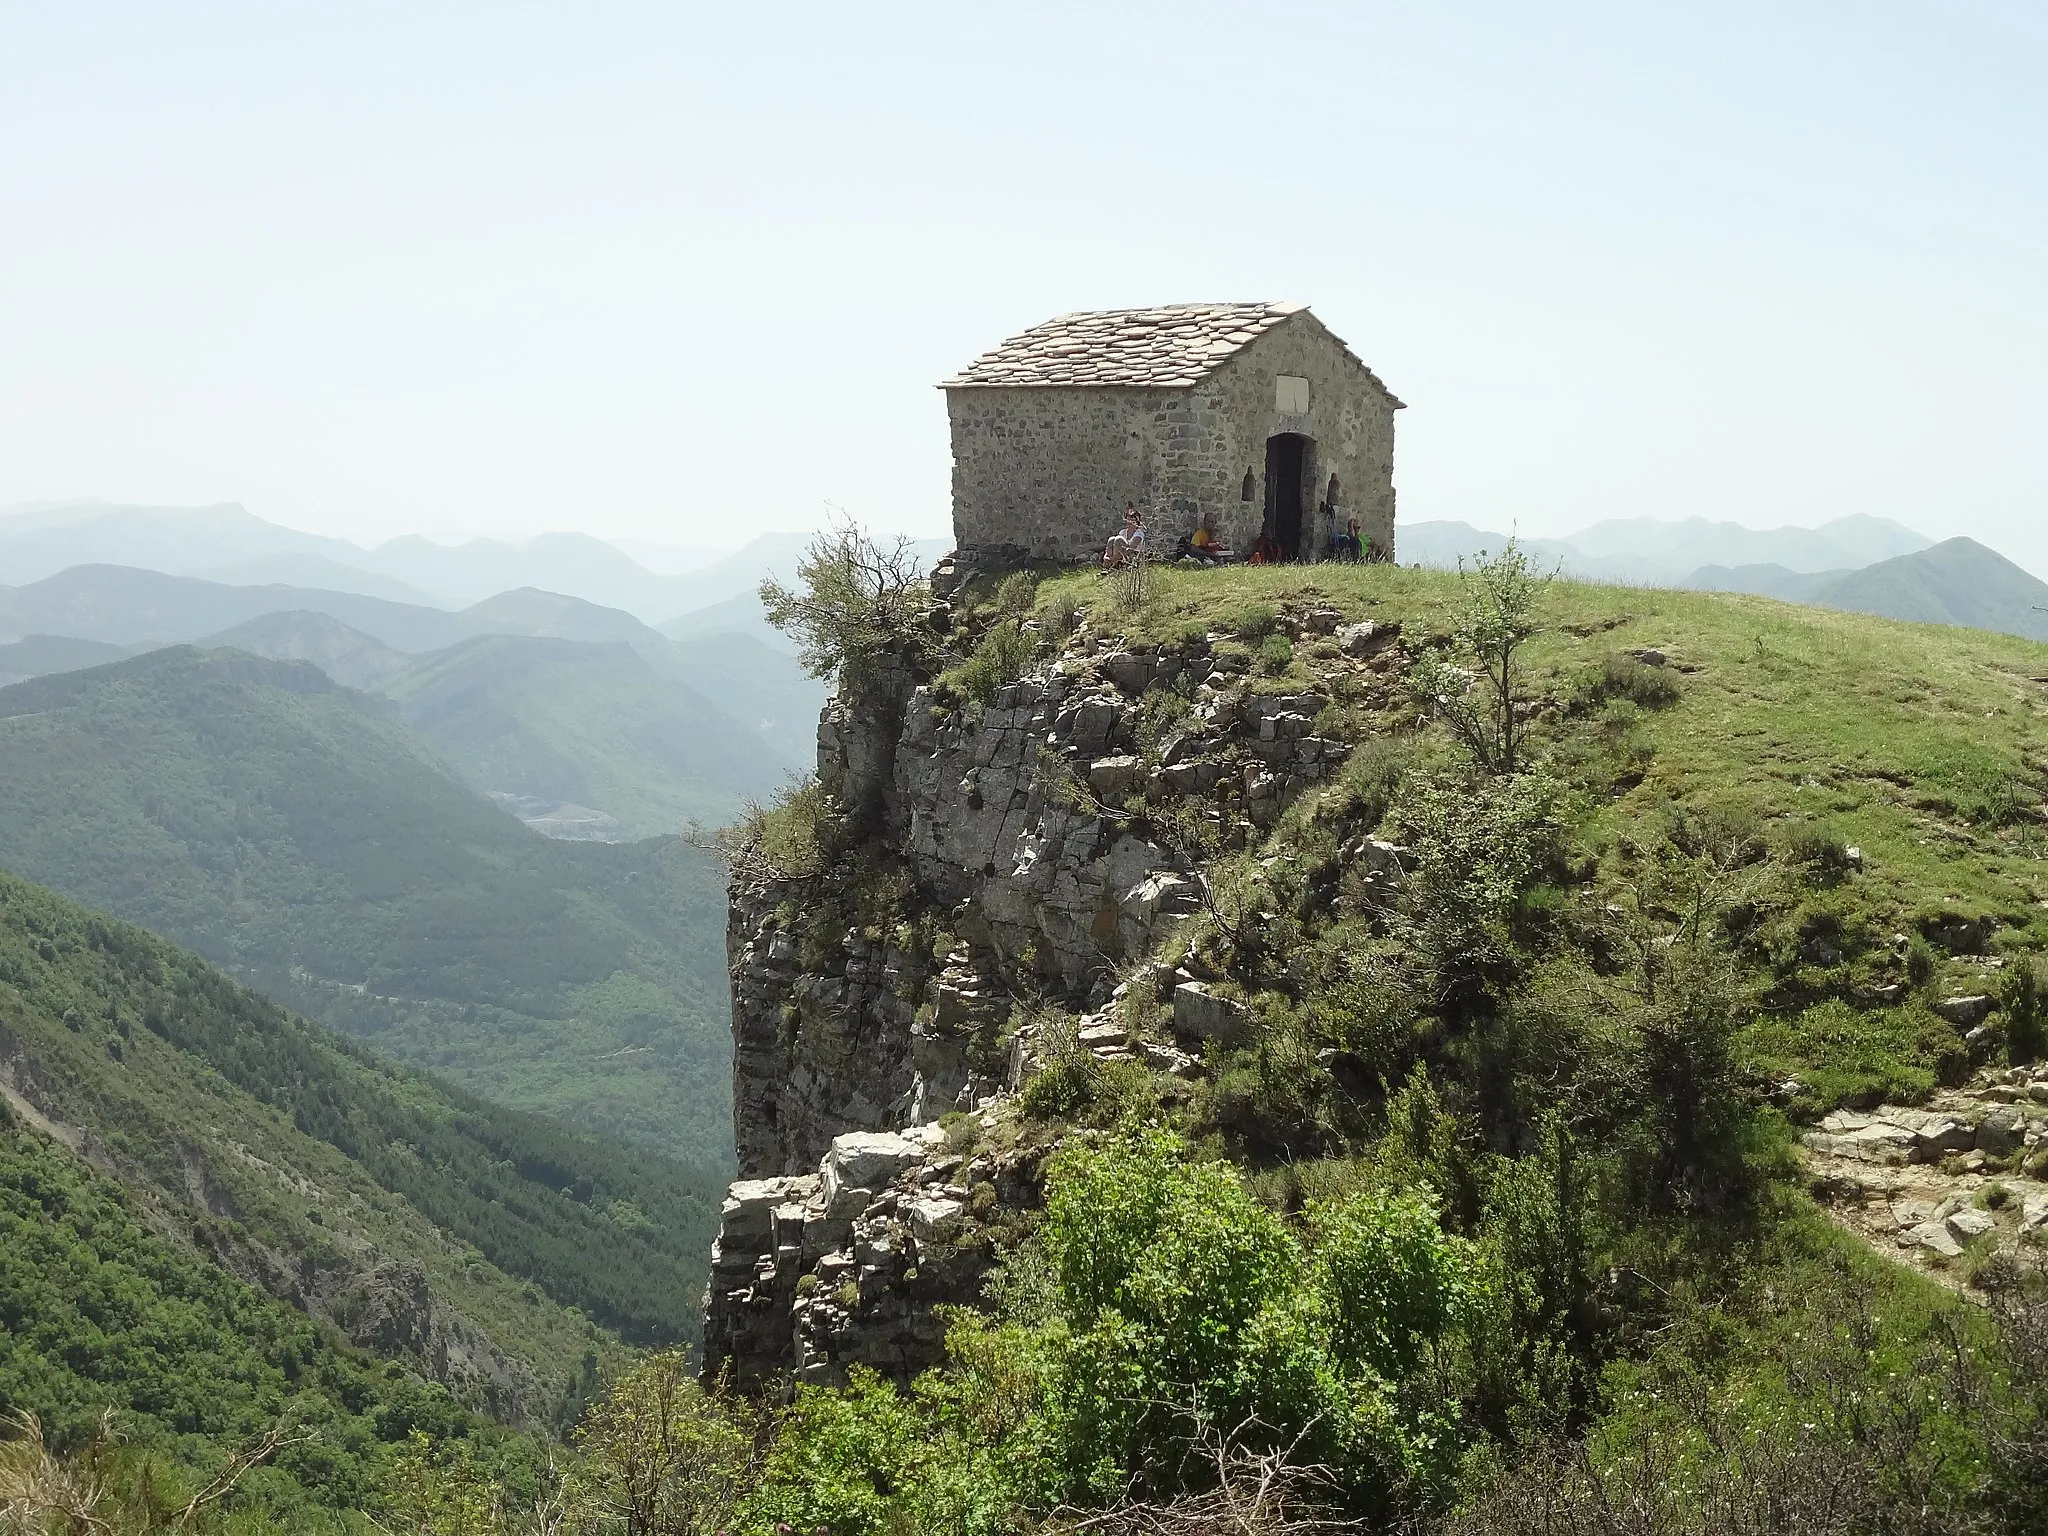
(1290, 396)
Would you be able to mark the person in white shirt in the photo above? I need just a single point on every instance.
(1128, 545)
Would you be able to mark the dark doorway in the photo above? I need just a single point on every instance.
(1286, 456)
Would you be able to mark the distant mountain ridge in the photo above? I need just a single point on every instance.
(1651, 552)
(124, 605)
(227, 543)
(593, 724)
(1857, 564)
(1957, 581)
(37, 655)
(688, 729)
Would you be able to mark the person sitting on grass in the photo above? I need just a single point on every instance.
(1265, 552)
(1205, 544)
(1126, 546)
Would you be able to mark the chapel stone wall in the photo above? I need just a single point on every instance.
(1043, 472)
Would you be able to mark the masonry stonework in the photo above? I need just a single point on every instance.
(1055, 431)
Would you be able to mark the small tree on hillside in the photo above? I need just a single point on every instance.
(664, 1457)
(856, 604)
(1497, 616)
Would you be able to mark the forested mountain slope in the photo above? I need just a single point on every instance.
(298, 833)
(596, 724)
(105, 1317)
(423, 1223)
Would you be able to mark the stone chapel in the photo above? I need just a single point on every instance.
(1255, 414)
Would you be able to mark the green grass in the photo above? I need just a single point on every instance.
(1924, 747)
(300, 835)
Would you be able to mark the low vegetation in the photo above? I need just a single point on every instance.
(137, 1373)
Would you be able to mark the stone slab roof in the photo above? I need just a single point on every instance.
(1170, 347)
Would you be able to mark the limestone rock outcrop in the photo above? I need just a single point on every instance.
(851, 1265)
(1017, 829)
(1966, 1171)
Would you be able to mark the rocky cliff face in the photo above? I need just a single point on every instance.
(1007, 832)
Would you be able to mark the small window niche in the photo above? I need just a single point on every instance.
(1290, 395)
(1249, 491)
(1330, 496)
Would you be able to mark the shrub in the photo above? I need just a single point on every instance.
(1250, 621)
(1005, 651)
(1016, 596)
(1922, 961)
(1161, 710)
(1820, 853)
(1276, 655)
(856, 605)
(1624, 677)
(789, 839)
(1066, 1072)
(1497, 617)
(662, 1454)
(1474, 851)
(1134, 585)
(2025, 996)
(1188, 1305)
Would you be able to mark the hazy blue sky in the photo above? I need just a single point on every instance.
(686, 273)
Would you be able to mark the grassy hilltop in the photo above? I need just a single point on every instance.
(1923, 748)
(1486, 1194)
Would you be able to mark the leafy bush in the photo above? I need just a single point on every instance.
(1475, 849)
(1016, 596)
(1276, 655)
(1497, 616)
(792, 838)
(1187, 1305)
(1624, 677)
(1001, 657)
(2025, 998)
(856, 606)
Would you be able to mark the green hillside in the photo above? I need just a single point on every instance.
(424, 1223)
(760, 685)
(301, 835)
(1958, 581)
(1924, 748)
(100, 1312)
(347, 655)
(536, 1199)
(35, 655)
(595, 724)
(1452, 1145)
